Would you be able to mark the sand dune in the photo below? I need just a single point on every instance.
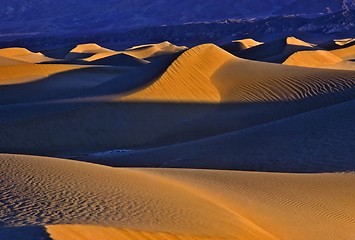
(276, 51)
(157, 203)
(143, 108)
(92, 232)
(312, 58)
(308, 142)
(86, 50)
(153, 50)
(208, 74)
(238, 45)
(4, 61)
(343, 42)
(31, 72)
(347, 53)
(248, 42)
(115, 59)
(32, 82)
(24, 55)
(90, 48)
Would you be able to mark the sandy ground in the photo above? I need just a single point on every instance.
(284, 106)
(201, 204)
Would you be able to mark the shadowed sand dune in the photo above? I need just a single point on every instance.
(24, 233)
(275, 51)
(140, 109)
(34, 82)
(308, 142)
(116, 59)
(174, 203)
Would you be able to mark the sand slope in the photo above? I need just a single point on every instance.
(24, 55)
(144, 108)
(26, 83)
(153, 50)
(316, 141)
(208, 74)
(347, 53)
(115, 59)
(318, 59)
(174, 203)
(275, 51)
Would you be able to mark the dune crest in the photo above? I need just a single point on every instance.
(153, 50)
(248, 42)
(345, 41)
(187, 79)
(317, 58)
(298, 42)
(208, 74)
(90, 48)
(23, 54)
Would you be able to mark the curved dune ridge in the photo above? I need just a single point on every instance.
(176, 204)
(154, 50)
(346, 53)
(345, 41)
(24, 55)
(298, 42)
(317, 58)
(90, 48)
(208, 74)
(86, 50)
(248, 42)
(117, 59)
(275, 51)
(5, 61)
(24, 73)
(25, 83)
(188, 78)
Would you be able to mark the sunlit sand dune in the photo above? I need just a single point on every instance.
(275, 51)
(176, 204)
(345, 41)
(347, 53)
(238, 45)
(208, 74)
(318, 58)
(22, 54)
(203, 85)
(86, 50)
(32, 82)
(153, 50)
(90, 48)
(248, 42)
(24, 73)
(4, 61)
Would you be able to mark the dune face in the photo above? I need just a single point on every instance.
(22, 54)
(191, 203)
(265, 132)
(154, 50)
(160, 104)
(318, 58)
